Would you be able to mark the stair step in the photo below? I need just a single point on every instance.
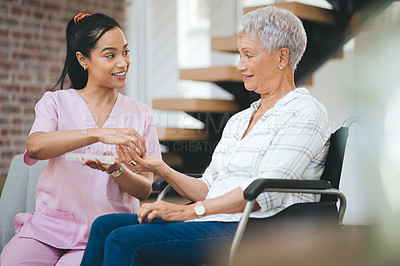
(308, 82)
(224, 44)
(228, 44)
(339, 55)
(303, 11)
(177, 134)
(172, 159)
(196, 105)
(212, 74)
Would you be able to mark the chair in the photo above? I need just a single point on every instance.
(328, 187)
(18, 194)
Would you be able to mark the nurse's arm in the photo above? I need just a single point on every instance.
(46, 145)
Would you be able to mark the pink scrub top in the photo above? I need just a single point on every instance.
(70, 196)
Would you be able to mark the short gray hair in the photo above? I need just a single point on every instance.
(275, 28)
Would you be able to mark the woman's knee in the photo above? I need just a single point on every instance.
(99, 222)
(127, 237)
(105, 224)
(101, 228)
(122, 249)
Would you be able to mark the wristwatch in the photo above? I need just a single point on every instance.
(199, 209)
(118, 172)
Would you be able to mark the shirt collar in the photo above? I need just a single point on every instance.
(283, 101)
(254, 106)
(291, 96)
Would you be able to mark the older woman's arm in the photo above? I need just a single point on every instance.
(232, 202)
(188, 187)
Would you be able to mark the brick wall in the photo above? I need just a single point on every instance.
(32, 53)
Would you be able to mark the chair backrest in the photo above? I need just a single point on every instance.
(18, 195)
(334, 160)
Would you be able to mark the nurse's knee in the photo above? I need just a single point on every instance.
(26, 251)
(10, 254)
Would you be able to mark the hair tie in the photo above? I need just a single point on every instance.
(80, 16)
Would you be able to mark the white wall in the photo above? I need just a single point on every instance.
(377, 93)
(333, 85)
(344, 86)
(152, 35)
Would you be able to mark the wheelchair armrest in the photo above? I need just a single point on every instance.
(258, 186)
(159, 184)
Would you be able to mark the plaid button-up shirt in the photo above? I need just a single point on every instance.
(290, 141)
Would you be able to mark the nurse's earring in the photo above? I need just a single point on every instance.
(280, 67)
(84, 68)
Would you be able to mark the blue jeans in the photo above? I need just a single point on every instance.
(119, 239)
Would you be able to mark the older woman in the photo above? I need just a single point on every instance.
(283, 135)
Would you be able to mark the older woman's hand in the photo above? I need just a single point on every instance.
(135, 162)
(166, 211)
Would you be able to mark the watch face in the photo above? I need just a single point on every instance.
(199, 210)
(116, 173)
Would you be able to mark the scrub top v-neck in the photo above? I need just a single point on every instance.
(90, 113)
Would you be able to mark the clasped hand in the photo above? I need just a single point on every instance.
(137, 163)
(127, 137)
(126, 140)
(165, 211)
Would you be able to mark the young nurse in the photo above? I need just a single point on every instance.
(90, 118)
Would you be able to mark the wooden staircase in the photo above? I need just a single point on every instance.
(194, 147)
(327, 32)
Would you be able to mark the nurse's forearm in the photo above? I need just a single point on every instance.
(46, 145)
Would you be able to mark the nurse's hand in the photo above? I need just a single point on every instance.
(166, 211)
(122, 136)
(97, 165)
